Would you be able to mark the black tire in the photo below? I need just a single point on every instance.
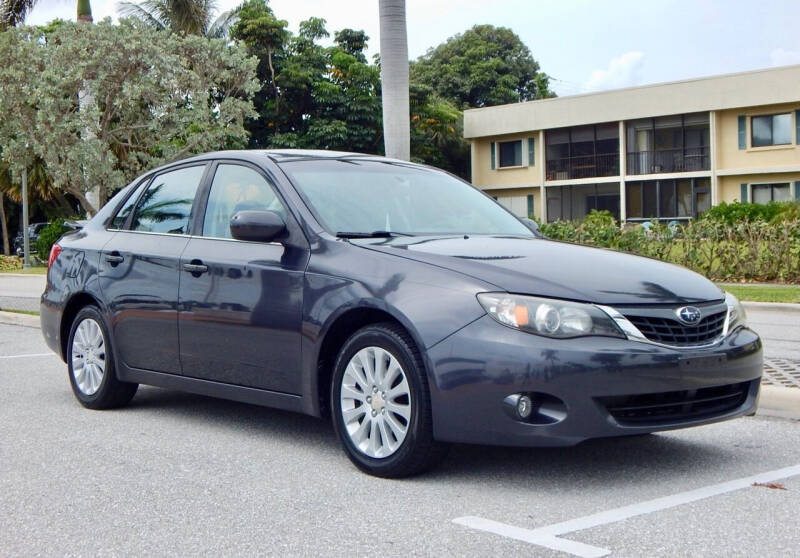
(112, 393)
(418, 452)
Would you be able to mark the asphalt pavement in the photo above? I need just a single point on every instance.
(176, 474)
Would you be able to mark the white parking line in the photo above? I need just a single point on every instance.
(28, 356)
(548, 536)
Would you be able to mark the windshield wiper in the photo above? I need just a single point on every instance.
(373, 234)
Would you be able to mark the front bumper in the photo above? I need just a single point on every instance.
(479, 366)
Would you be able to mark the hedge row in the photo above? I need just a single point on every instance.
(755, 250)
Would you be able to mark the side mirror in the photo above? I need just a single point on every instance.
(257, 225)
(533, 226)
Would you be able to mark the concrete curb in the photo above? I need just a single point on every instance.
(779, 306)
(24, 320)
(783, 402)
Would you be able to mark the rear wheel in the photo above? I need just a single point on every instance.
(92, 374)
(381, 403)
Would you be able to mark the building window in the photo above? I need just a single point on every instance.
(669, 144)
(576, 202)
(510, 153)
(775, 129)
(582, 152)
(667, 199)
(765, 193)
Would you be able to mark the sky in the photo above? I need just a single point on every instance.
(584, 45)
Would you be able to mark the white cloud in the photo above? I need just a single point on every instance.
(783, 57)
(623, 71)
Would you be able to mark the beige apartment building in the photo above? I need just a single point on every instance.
(668, 151)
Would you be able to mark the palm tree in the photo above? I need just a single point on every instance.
(14, 12)
(394, 78)
(190, 17)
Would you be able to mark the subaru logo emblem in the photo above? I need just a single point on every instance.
(688, 314)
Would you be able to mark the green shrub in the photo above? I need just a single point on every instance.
(10, 263)
(787, 211)
(48, 236)
(738, 212)
(741, 250)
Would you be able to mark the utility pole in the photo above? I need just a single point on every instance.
(26, 240)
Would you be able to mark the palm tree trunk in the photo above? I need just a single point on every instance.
(394, 79)
(274, 85)
(6, 244)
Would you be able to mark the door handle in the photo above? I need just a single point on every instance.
(195, 267)
(114, 258)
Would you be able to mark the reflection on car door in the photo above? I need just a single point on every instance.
(241, 302)
(139, 270)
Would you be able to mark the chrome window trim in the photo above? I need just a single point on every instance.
(633, 334)
(197, 236)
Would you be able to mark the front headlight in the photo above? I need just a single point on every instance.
(736, 314)
(549, 317)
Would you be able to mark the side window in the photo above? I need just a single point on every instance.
(236, 188)
(166, 205)
(122, 215)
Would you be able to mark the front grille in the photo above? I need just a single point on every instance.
(652, 409)
(672, 332)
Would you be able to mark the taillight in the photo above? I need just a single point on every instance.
(54, 252)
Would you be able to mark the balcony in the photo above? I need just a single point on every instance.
(583, 166)
(669, 160)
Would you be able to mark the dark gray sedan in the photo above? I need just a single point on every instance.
(405, 303)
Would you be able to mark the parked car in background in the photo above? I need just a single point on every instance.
(33, 233)
(399, 300)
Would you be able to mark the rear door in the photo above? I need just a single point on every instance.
(140, 269)
(241, 302)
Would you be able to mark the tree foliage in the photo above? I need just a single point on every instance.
(156, 97)
(311, 96)
(318, 97)
(483, 66)
(190, 17)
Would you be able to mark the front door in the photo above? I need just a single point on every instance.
(139, 271)
(241, 302)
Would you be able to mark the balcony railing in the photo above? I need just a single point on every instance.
(669, 160)
(584, 166)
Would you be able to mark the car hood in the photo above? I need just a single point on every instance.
(556, 269)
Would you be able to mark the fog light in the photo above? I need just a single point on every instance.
(524, 406)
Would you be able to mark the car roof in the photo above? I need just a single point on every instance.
(277, 156)
(287, 155)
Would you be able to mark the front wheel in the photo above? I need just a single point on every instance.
(91, 364)
(381, 403)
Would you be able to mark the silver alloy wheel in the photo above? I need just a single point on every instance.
(88, 356)
(376, 402)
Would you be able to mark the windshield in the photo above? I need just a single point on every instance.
(352, 196)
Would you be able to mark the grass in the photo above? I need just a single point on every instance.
(36, 270)
(764, 293)
(27, 312)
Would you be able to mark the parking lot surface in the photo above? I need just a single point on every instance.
(178, 474)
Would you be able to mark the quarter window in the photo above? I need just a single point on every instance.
(122, 215)
(775, 129)
(167, 204)
(236, 188)
(510, 153)
(765, 193)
